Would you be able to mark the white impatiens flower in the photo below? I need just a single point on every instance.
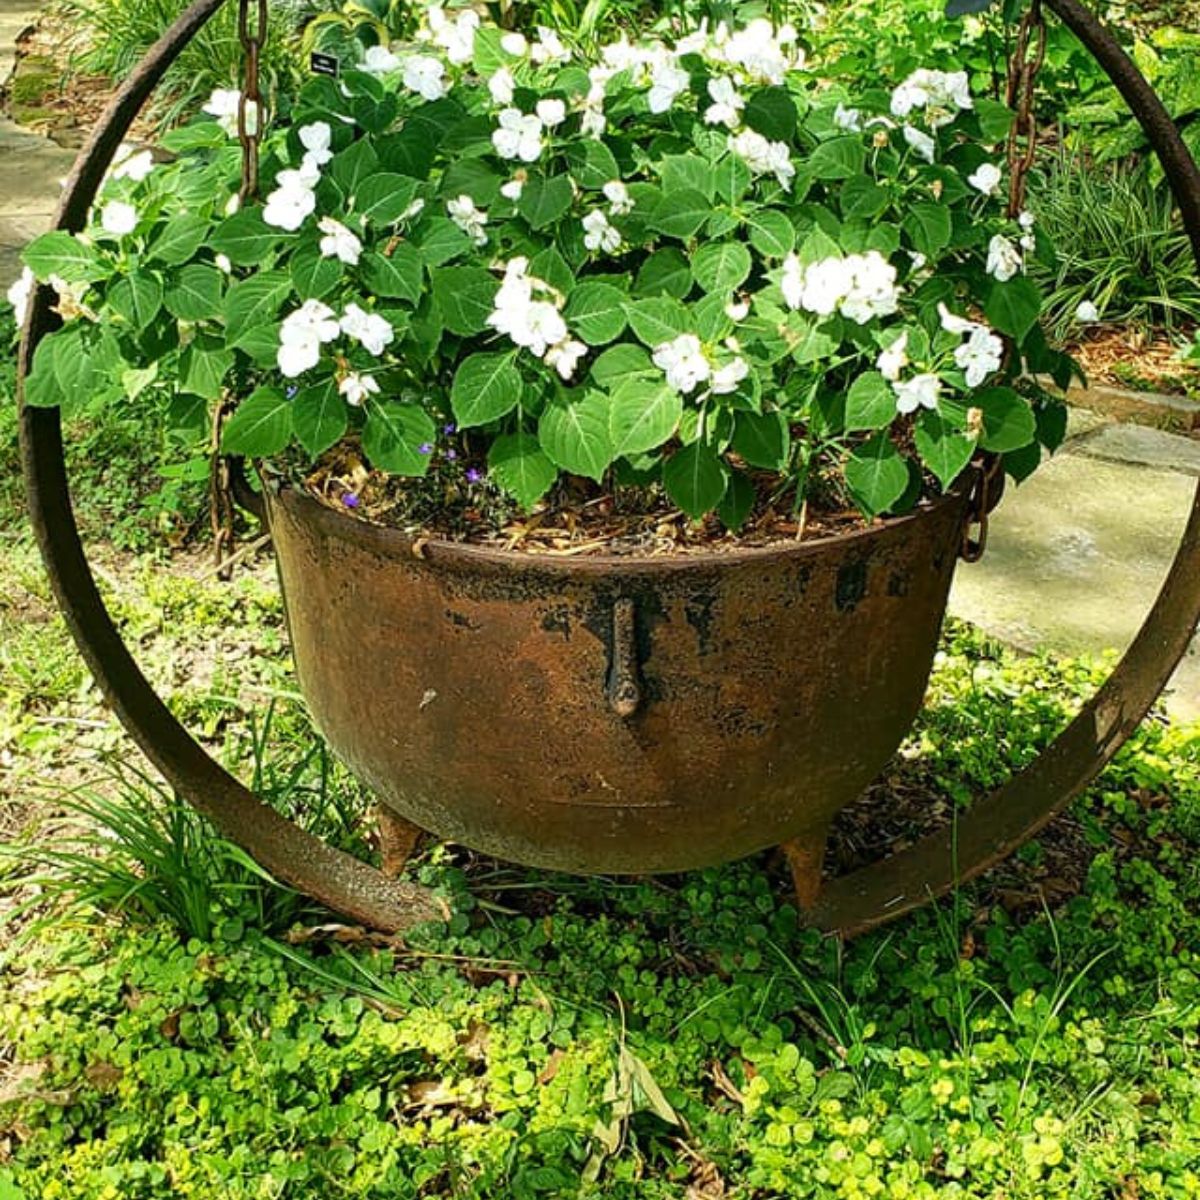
(564, 356)
(293, 199)
(682, 361)
(980, 355)
(941, 95)
(726, 379)
(426, 76)
(512, 189)
(19, 294)
(860, 286)
(1026, 220)
(848, 119)
(764, 157)
(339, 242)
(368, 328)
(224, 103)
(667, 82)
(502, 85)
(515, 44)
(132, 164)
(921, 142)
(921, 391)
(223, 264)
(468, 218)
(549, 48)
(456, 37)
(301, 335)
(619, 200)
(519, 135)
(317, 140)
(873, 291)
(986, 178)
(1086, 313)
(761, 51)
(118, 218)
(533, 324)
(893, 358)
(379, 60)
(355, 388)
(727, 103)
(598, 234)
(551, 112)
(737, 310)
(1003, 259)
(953, 323)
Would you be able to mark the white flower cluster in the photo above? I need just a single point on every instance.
(314, 323)
(940, 95)
(468, 218)
(224, 104)
(294, 198)
(1004, 259)
(981, 354)
(764, 157)
(686, 366)
(535, 325)
(520, 135)
(859, 286)
(339, 242)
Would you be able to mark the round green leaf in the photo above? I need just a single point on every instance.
(771, 233)
(721, 266)
(876, 475)
(943, 449)
(393, 436)
(519, 466)
(596, 311)
(643, 415)
(194, 294)
(870, 403)
(260, 425)
(1008, 420)
(319, 417)
(486, 387)
(573, 431)
(696, 479)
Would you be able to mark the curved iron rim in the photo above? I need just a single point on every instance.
(870, 896)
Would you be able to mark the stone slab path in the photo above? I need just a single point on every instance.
(31, 166)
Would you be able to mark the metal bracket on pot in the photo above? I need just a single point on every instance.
(623, 688)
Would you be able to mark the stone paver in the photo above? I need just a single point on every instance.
(31, 166)
(1077, 553)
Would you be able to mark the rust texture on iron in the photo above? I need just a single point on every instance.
(619, 714)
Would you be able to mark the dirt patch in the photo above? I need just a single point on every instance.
(1128, 357)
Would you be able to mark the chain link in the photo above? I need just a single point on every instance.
(250, 112)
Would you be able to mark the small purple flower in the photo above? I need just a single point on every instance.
(474, 475)
(451, 454)
(290, 391)
(449, 429)
(350, 499)
(425, 448)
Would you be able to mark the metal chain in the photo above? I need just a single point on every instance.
(1029, 53)
(222, 471)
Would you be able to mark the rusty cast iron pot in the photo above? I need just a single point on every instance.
(614, 714)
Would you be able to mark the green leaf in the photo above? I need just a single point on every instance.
(465, 297)
(838, 158)
(544, 200)
(261, 425)
(596, 311)
(383, 199)
(486, 387)
(440, 240)
(712, 322)
(519, 466)
(195, 293)
(592, 164)
(620, 362)
(42, 388)
(319, 417)
(995, 119)
(658, 319)
(680, 214)
(397, 276)
(861, 196)
(876, 475)
(763, 439)
(928, 227)
(203, 366)
(771, 111)
(665, 272)
(573, 432)
(771, 233)
(473, 178)
(393, 436)
(313, 275)
(695, 479)
(61, 254)
(245, 238)
(1008, 420)
(136, 299)
(178, 240)
(732, 177)
(1013, 306)
(254, 301)
(737, 503)
(354, 166)
(870, 403)
(721, 266)
(687, 173)
(943, 449)
(643, 414)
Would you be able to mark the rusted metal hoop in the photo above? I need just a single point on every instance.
(994, 827)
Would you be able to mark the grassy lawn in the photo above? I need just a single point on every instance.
(171, 1024)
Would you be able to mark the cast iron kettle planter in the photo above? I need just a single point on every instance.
(616, 714)
(630, 629)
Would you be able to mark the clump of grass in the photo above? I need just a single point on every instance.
(1118, 242)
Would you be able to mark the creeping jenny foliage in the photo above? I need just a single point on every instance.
(679, 1038)
(660, 265)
